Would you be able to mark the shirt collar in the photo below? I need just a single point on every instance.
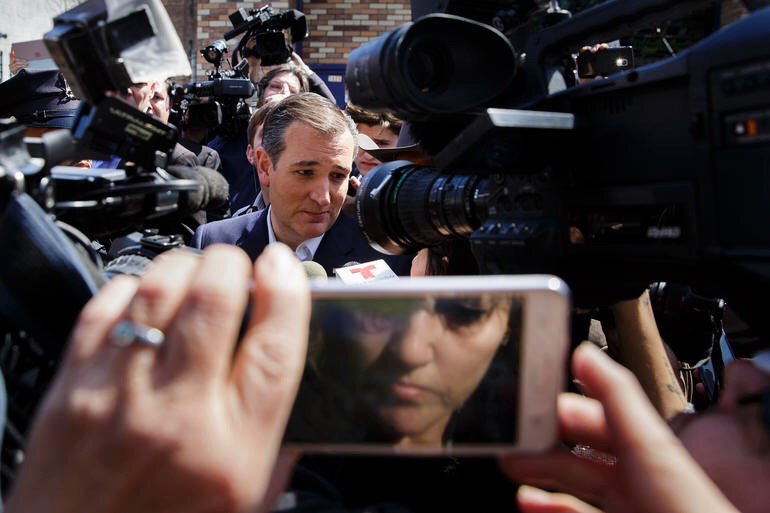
(305, 251)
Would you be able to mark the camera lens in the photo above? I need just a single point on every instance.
(440, 64)
(402, 207)
(430, 67)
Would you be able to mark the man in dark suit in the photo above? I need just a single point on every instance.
(305, 159)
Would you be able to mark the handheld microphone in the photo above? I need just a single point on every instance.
(315, 271)
(376, 270)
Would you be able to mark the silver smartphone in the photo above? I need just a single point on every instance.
(437, 365)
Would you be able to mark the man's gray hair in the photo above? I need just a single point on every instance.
(311, 109)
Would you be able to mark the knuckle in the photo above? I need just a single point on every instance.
(80, 411)
(151, 291)
(209, 297)
(94, 313)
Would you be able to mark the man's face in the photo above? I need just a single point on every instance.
(140, 95)
(730, 441)
(382, 136)
(159, 103)
(308, 182)
(281, 86)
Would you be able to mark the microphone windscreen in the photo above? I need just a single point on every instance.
(315, 271)
(218, 188)
(213, 191)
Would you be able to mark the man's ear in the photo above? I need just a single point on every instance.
(250, 155)
(264, 166)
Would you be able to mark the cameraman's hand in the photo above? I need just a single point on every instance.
(297, 60)
(256, 73)
(653, 472)
(194, 424)
(18, 65)
(636, 344)
(349, 204)
(592, 49)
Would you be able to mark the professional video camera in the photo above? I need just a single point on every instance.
(265, 27)
(51, 216)
(218, 104)
(652, 174)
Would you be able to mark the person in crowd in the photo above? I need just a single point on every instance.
(157, 104)
(375, 129)
(184, 154)
(305, 159)
(255, 131)
(41, 100)
(314, 83)
(280, 82)
(160, 107)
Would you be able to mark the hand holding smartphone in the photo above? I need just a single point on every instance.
(439, 365)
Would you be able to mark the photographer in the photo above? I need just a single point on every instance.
(160, 107)
(257, 73)
(281, 81)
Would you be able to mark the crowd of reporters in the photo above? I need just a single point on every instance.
(198, 425)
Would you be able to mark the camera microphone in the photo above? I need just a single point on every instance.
(315, 271)
(376, 270)
(214, 191)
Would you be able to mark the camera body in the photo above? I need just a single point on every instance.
(218, 104)
(265, 27)
(611, 185)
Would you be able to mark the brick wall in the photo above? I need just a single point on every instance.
(336, 26)
(182, 13)
(339, 26)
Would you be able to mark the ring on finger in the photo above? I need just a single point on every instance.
(127, 333)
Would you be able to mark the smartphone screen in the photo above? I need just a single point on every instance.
(605, 62)
(429, 371)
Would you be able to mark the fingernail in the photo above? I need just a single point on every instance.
(532, 494)
(590, 350)
(280, 258)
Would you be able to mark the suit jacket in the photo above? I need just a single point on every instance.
(343, 242)
(207, 157)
